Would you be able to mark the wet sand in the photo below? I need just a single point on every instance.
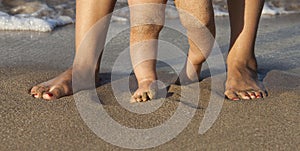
(28, 58)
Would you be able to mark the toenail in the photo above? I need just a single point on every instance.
(50, 94)
(235, 99)
(35, 95)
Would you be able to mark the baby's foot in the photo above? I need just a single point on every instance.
(55, 88)
(242, 81)
(189, 74)
(146, 91)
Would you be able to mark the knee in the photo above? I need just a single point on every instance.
(146, 30)
(200, 23)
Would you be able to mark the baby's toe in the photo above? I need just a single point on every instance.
(145, 97)
(133, 100)
(137, 97)
(152, 93)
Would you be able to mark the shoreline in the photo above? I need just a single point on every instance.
(45, 16)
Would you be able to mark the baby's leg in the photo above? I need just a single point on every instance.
(197, 17)
(87, 14)
(147, 19)
(242, 81)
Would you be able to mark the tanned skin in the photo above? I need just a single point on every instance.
(242, 80)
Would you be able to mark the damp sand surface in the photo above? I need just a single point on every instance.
(28, 58)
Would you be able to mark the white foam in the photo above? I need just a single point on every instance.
(9, 22)
(33, 16)
(269, 9)
(45, 19)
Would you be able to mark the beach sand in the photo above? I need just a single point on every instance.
(272, 123)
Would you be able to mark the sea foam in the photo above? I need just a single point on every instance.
(9, 22)
(38, 16)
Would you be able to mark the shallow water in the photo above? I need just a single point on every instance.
(45, 15)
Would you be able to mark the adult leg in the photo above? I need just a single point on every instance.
(87, 14)
(147, 19)
(197, 17)
(242, 81)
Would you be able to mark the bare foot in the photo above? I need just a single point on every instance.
(55, 88)
(59, 86)
(189, 74)
(147, 91)
(242, 81)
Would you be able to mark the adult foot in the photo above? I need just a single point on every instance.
(242, 80)
(146, 91)
(60, 86)
(55, 88)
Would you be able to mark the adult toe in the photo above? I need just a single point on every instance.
(261, 94)
(258, 94)
(48, 96)
(244, 95)
(37, 91)
(264, 93)
(53, 93)
(252, 94)
(231, 95)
